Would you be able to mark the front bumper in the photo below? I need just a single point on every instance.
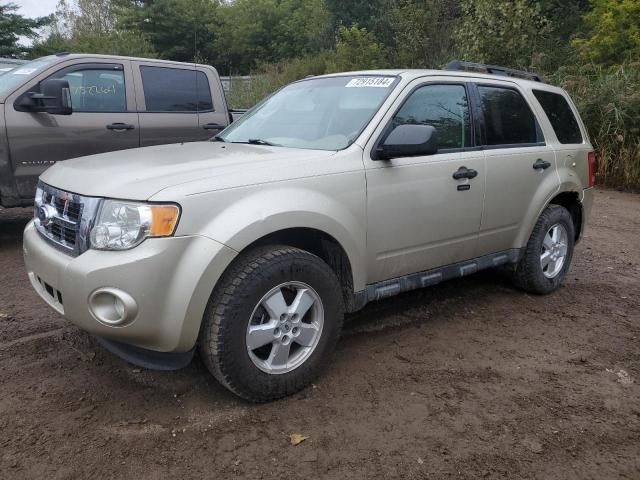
(170, 279)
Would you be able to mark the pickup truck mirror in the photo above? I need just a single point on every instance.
(55, 98)
(409, 141)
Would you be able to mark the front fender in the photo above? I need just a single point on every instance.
(8, 192)
(333, 204)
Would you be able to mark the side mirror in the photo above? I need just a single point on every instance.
(55, 98)
(409, 141)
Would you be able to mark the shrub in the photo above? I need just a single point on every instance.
(613, 32)
(269, 77)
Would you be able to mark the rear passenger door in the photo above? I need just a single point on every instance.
(520, 165)
(169, 99)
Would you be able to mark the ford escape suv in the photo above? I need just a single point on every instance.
(335, 191)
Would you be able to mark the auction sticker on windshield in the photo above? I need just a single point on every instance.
(379, 82)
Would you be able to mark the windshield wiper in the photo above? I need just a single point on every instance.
(260, 141)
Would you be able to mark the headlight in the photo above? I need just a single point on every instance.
(123, 225)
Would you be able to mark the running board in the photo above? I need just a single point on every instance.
(428, 278)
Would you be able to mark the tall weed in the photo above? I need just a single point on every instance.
(609, 103)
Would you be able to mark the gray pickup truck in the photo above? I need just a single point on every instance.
(72, 105)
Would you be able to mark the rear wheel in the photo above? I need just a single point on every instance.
(272, 322)
(547, 256)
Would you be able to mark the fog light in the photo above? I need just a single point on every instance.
(112, 307)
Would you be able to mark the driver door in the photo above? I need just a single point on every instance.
(104, 119)
(418, 216)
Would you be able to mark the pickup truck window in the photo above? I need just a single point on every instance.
(175, 90)
(444, 107)
(95, 89)
(508, 119)
(560, 115)
(326, 113)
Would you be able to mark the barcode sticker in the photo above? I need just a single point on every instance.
(368, 82)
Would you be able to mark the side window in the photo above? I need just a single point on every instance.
(175, 90)
(95, 89)
(559, 112)
(508, 119)
(444, 107)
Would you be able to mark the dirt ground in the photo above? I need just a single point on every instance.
(470, 379)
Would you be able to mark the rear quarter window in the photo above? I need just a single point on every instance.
(560, 116)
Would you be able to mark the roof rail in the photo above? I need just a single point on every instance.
(457, 65)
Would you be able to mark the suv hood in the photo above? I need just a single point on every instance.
(140, 173)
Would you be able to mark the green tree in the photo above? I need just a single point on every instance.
(422, 32)
(505, 32)
(254, 32)
(564, 19)
(182, 30)
(357, 49)
(374, 15)
(91, 26)
(612, 32)
(13, 25)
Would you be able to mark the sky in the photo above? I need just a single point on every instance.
(36, 8)
(32, 9)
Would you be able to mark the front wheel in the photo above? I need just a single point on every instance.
(547, 256)
(272, 322)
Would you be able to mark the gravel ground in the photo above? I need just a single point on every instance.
(470, 379)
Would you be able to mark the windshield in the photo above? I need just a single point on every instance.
(15, 76)
(320, 113)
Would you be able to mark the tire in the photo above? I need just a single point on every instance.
(238, 304)
(530, 275)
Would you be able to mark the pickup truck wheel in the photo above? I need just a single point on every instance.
(548, 253)
(272, 322)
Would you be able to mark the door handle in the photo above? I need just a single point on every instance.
(464, 172)
(541, 164)
(119, 126)
(213, 126)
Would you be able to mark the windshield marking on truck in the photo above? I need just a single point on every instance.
(94, 90)
(366, 82)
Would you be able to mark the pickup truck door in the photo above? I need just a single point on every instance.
(170, 99)
(418, 216)
(215, 117)
(104, 119)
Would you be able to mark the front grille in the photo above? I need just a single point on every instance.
(64, 218)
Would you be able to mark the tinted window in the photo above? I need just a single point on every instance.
(507, 117)
(95, 89)
(175, 90)
(444, 107)
(560, 115)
